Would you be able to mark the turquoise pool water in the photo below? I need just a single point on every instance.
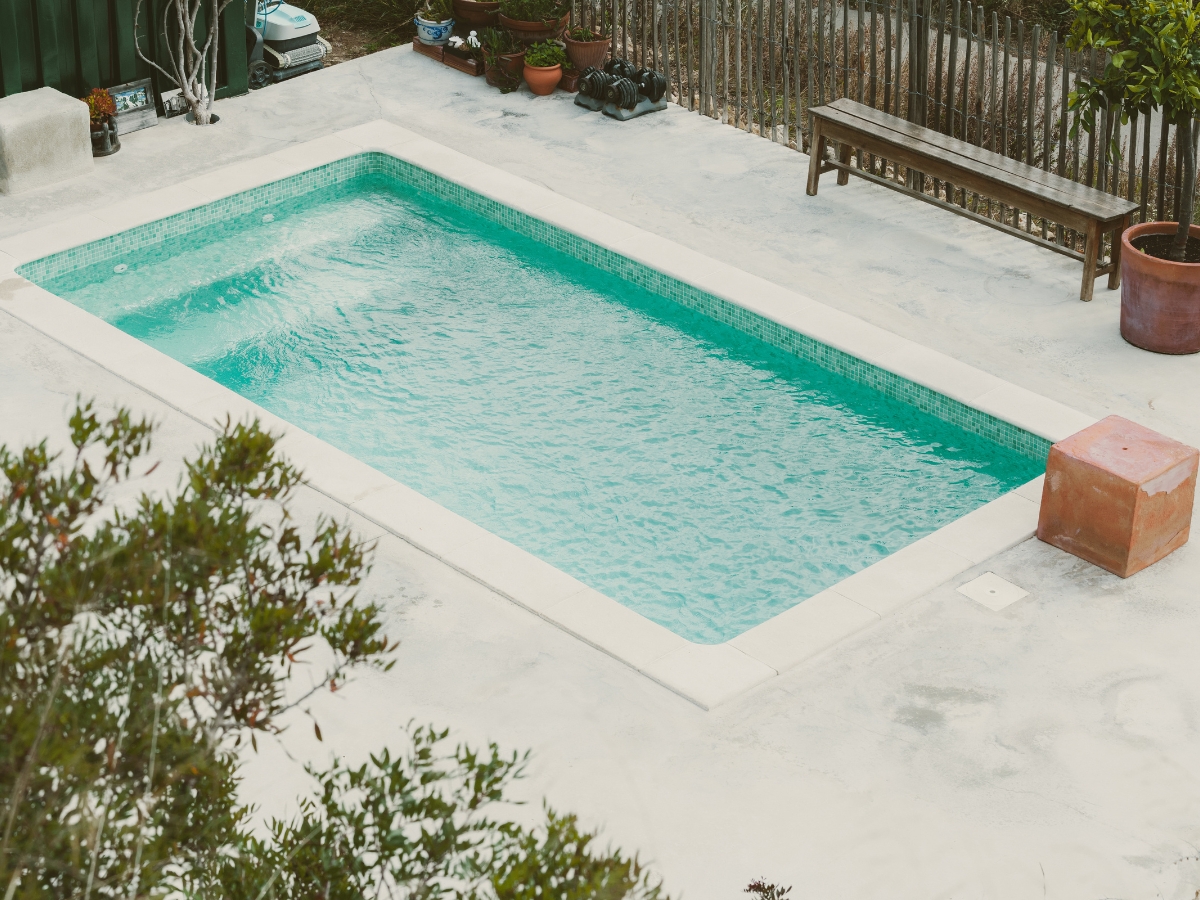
(695, 474)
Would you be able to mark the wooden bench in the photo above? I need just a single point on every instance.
(1093, 213)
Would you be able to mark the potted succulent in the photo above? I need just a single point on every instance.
(533, 21)
(504, 59)
(434, 22)
(544, 66)
(102, 110)
(476, 12)
(585, 47)
(1153, 50)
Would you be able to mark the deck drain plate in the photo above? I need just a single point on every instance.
(993, 591)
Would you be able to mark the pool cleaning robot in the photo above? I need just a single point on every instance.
(284, 41)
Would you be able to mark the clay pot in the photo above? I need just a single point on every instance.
(569, 81)
(532, 32)
(586, 53)
(1160, 299)
(542, 80)
(513, 64)
(476, 12)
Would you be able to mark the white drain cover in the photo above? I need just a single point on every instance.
(993, 591)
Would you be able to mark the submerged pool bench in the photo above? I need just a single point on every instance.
(1091, 212)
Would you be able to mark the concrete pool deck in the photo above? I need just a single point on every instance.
(958, 752)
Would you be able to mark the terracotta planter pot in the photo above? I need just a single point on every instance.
(569, 81)
(586, 53)
(542, 80)
(476, 12)
(513, 64)
(1160, 299)
(532, 32)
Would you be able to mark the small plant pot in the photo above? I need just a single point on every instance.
(569, 81)
(433, 34)
(476, 12)
(1160, 298)
(104, 139)
(586, 53)
(505, 73)
(533, 32)
(542, 80)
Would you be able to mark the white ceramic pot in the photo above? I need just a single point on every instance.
(435, 34)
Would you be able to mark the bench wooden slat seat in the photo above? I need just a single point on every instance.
(1093, 213)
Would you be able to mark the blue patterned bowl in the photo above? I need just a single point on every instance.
(435, 34)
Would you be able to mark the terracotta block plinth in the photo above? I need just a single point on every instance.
(1118, 495)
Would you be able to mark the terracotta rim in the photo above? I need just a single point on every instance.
(1145, 259)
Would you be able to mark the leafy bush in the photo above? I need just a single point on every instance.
(545, 54)
(437, 10)
(533, 10)
(144, 644)
(1153, 64)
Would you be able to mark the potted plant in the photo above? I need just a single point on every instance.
(533, 21)
(586, 47)
(504, 59)
(544, 66)
(102, 109)
(476, 13)
(434, 22)
(1154, 67)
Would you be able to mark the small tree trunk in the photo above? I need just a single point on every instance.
(1186, 146)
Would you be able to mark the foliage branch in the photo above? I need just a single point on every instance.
(1153, 64)
(146, 641)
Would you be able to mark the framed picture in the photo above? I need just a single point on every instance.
(135, 105)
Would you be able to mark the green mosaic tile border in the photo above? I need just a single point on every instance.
(373, 163)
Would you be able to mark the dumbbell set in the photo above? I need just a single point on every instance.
(621, 90)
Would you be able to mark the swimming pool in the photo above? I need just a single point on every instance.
(599, 415)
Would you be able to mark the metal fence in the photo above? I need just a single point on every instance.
(76, 45)
(759, 65)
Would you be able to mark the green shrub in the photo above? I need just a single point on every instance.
(544, 54)
(533, 10)
(144, 645)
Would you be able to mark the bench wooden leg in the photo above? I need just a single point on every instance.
(844, 151)
(1114, 277)
(1091, 250)
(816, 156)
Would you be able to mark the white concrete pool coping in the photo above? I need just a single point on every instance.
(707, 675)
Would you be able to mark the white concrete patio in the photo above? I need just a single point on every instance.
(948, 752)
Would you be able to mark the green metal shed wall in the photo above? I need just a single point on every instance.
(76, 45)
